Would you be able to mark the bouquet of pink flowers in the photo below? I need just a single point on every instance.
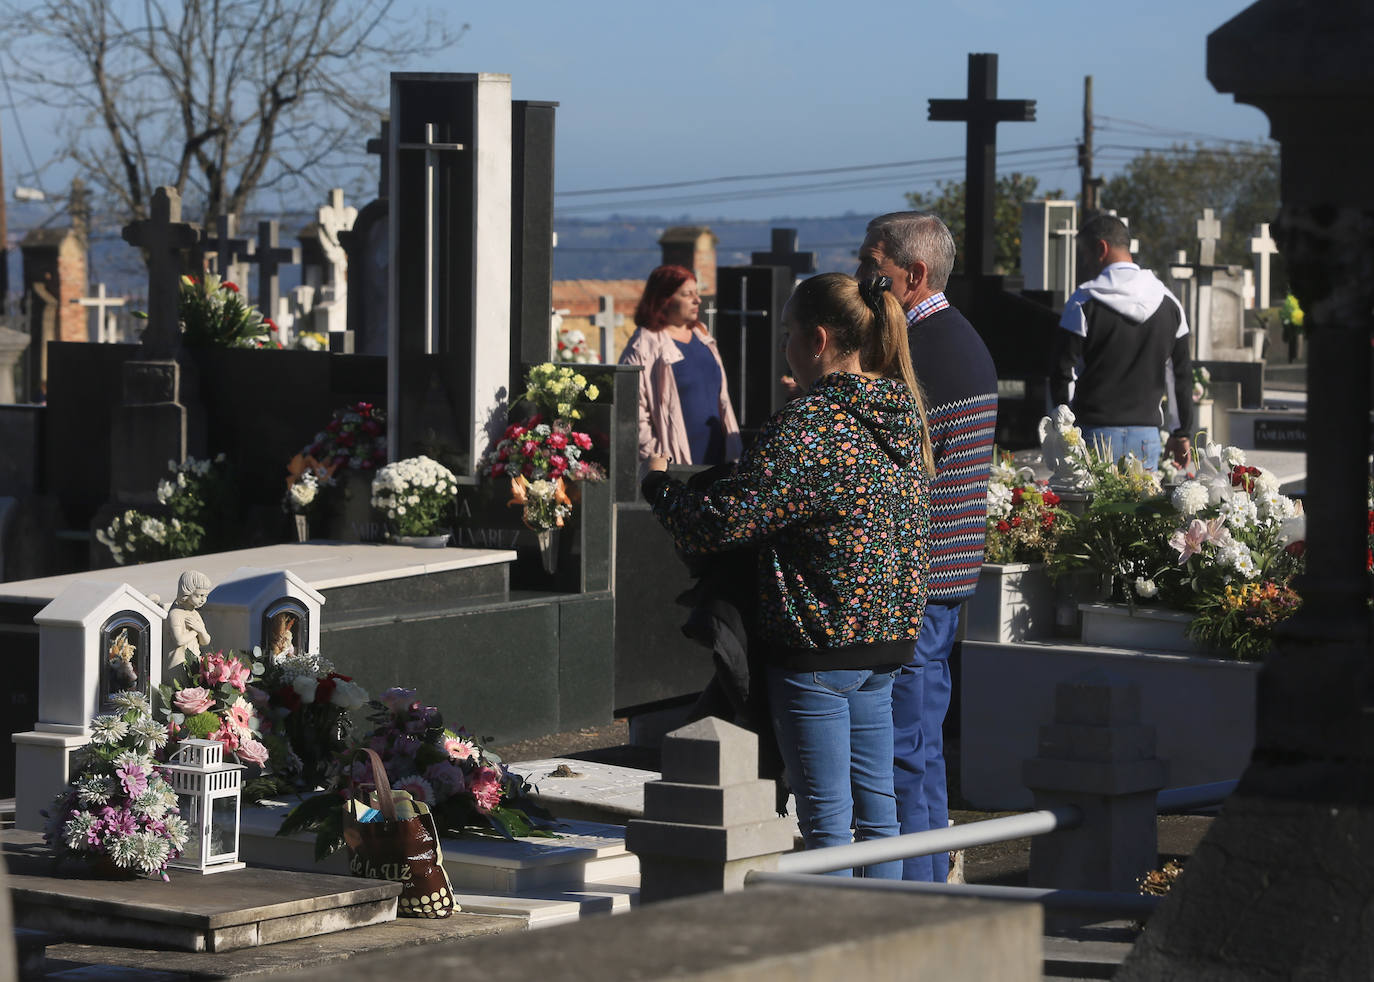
(210, 702)
(355, 438)
(468, 790)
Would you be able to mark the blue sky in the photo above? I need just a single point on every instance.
(654, 93)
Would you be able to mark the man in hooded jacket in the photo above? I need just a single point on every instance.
(1122, 329)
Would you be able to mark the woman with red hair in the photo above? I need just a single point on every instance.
(684, 406)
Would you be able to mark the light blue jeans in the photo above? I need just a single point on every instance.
(1143, 441)
(835, 733)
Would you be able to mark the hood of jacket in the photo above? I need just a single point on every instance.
(1132, 292)
(883, 406)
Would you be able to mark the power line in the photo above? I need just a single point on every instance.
(957, 158)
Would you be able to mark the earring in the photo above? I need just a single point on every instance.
(816, 357)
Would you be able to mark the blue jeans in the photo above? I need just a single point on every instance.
(1143, 441)
(835, 733)
(920, 699)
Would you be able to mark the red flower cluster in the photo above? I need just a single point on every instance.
(1244, 477)
(538, 450)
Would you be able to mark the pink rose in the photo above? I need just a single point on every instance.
(250, 751)
(193, 701)
(227, 736)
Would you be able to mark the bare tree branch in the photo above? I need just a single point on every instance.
(220, 98)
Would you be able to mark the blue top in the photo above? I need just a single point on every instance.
(698, 381)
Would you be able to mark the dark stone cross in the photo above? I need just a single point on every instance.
(162, 238)
(783, 252)
(378, 145)
(982, 110)
(226, 246)
(270, 257)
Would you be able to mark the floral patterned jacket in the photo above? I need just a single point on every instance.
(833, 497)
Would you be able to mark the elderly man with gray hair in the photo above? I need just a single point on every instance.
(952, 364)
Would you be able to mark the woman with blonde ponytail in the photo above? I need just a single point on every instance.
(834, 496)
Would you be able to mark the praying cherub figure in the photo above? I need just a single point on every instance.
(184, 622)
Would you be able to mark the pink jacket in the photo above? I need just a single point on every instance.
(661, 428)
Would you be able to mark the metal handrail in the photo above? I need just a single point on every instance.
(872, 851)
(1122, 904)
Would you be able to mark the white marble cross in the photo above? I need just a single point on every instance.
(1208, 233)
(104, 322)
(607, 320)
(1262, 246)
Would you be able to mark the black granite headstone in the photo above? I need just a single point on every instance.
(531, 261)
(750, 301)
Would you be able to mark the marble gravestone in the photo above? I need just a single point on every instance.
(1047, 247)
(94, 639)
(267, 608)
(450, 240)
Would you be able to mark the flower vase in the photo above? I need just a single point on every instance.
(302, 528)
(548, 549)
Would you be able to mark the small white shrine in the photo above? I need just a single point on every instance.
(270, 608)
(94, 639)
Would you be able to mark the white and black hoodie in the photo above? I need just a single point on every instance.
(1120, 331)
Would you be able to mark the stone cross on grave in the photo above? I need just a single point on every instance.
(378, 145)
(432, 149)
(162, 239)
(270, 257)
(1208, 234)
(783, 252)
(1262, 246)
(743, 313)
(229, 250)
(607, 320)
(104, 323)
(982, 111)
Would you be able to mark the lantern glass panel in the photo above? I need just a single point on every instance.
(223, 826)
(190, 812)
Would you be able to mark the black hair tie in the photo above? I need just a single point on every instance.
(871, 291)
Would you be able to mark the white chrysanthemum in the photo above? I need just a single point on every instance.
(166, 490)
(177, 831)
(1239, 511)
(1144, 588)
(150, 852)
(76, 832)
(1236, 555)
(1189, 498)
(149, 733)
(130, 699)
(149, 803)
(93, 789)
(1266, 482)
(123, 850)
(1274, 507)
(154, 529)
(999, 501)
(126, 757)
(1232, 456)
(108, 729)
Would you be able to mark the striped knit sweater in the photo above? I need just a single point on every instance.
(960, 383)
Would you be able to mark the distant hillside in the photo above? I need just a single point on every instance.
(606, 249)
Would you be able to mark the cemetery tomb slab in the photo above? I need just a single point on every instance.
(245, 908)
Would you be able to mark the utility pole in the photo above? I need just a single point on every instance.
(1085, 153)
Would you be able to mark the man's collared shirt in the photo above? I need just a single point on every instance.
(928, 306)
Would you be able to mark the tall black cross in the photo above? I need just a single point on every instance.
(162, 237)
(982, 110)
(270, 256)
(783, 252)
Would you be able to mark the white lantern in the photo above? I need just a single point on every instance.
(208, 793)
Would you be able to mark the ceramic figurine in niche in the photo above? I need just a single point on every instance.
(120, 662)
(283, 641)
(184, 622)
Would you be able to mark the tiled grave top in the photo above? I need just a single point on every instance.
(321, 565)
